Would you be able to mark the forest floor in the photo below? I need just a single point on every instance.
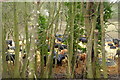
(60, 71)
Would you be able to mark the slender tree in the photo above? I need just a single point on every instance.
(23, 75)
(71, 37)
(0, 41)
(16, 35)
(48, 71)
(90, 30)
(32, 53)
(92, 19)
(4, 63)
(104, 67)
(95, 63)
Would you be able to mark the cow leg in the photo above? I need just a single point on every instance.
(45, 60)
(76, 64)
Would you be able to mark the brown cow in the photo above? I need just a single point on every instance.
(81, 57)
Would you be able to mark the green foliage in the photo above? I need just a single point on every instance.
(67, 4)
(78, 23)
(42, 23)
(41, 32)
(108, 11)
(80, 18)
(107, 15)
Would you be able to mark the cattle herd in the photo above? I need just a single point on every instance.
(60, 53)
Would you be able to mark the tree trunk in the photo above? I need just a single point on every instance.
(32, 60)
(32, 53)
(50, 57)
(0, 40)
(4, 63)
(104, 67)
(23, 75)
(95, 63)
(58, 5)
(87, 20)
(49, 66)
(75, 40)
(95, 37)
(71, 38)
(92, 19)
(89, 52)
(43, 51)
(90, 30)
(16, 35)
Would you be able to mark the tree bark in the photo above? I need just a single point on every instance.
(23, 75)
(16, 35)
(49, 66)
(32, 53)
(104, 67)
(0, 40)
(95, 62)
(71, 38)
(75, 40)
(90, 30)
(4, 63)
